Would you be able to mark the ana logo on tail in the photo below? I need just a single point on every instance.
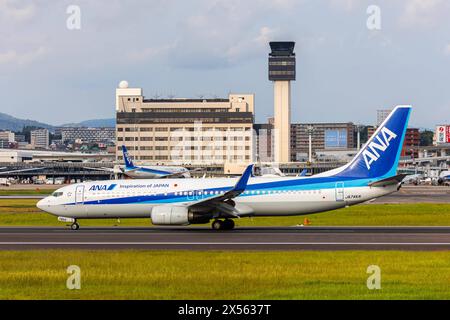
(370, 153)
(127, 157)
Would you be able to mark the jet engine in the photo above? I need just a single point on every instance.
(177, 215)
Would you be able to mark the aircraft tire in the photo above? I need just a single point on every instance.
(228, 224)
(218, 225)
(75, 226)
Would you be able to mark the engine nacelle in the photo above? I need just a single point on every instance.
(170, 215)
(177, 215)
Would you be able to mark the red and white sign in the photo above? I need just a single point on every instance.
(448, 134)
(443, 134)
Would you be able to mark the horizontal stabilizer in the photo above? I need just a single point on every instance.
(389, 181)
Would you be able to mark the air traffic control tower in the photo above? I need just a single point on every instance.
(282, 72)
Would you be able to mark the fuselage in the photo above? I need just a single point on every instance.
(262, 196)
(154, 172)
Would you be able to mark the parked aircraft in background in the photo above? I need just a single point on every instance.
(151, 172)
(444, 177)
(146, 172)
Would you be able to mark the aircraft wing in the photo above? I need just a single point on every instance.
(220, 202)
(181, 173)
(388, 181)
(175, 174)
(124, 170)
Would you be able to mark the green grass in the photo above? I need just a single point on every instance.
(224, 275)
(23, 212)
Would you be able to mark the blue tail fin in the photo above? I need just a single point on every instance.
(128, 162)
(379, 157)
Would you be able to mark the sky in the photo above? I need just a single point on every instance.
(353, 56)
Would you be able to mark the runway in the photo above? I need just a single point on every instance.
(201, 238)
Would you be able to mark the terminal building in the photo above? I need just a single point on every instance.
(184, 131)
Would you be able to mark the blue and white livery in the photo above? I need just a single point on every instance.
(151, 172)
(371, 174)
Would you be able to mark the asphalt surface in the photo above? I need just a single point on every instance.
(23, 197)
(417, 194)
(200, 238)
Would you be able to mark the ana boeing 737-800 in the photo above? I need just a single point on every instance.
(371, 174)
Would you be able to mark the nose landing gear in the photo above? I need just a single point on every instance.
(226, 224)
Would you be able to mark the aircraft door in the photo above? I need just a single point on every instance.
(340, 191)
(79, 194)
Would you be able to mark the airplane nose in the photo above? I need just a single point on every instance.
(41, 203)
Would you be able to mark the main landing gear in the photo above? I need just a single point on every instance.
(75, 226)
(226, 224)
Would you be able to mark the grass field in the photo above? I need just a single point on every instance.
(224, 275)
(23, 212)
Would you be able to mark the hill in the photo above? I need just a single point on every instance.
(8, 122)
(94, 123)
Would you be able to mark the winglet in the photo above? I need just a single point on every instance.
(243, 180)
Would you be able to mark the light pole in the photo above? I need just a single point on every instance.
(310, 129)
(359, 127)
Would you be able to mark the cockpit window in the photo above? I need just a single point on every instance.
(57, 194)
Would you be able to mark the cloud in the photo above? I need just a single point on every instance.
(226, 33)
(16, 11)
(17, 58)
(148, 53)
(447, 50)
(346, 5)
(424, 13)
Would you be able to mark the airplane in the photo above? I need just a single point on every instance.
(146, 172)
(413, 179)
(151, 171)
(372, 173)
(444, 177)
